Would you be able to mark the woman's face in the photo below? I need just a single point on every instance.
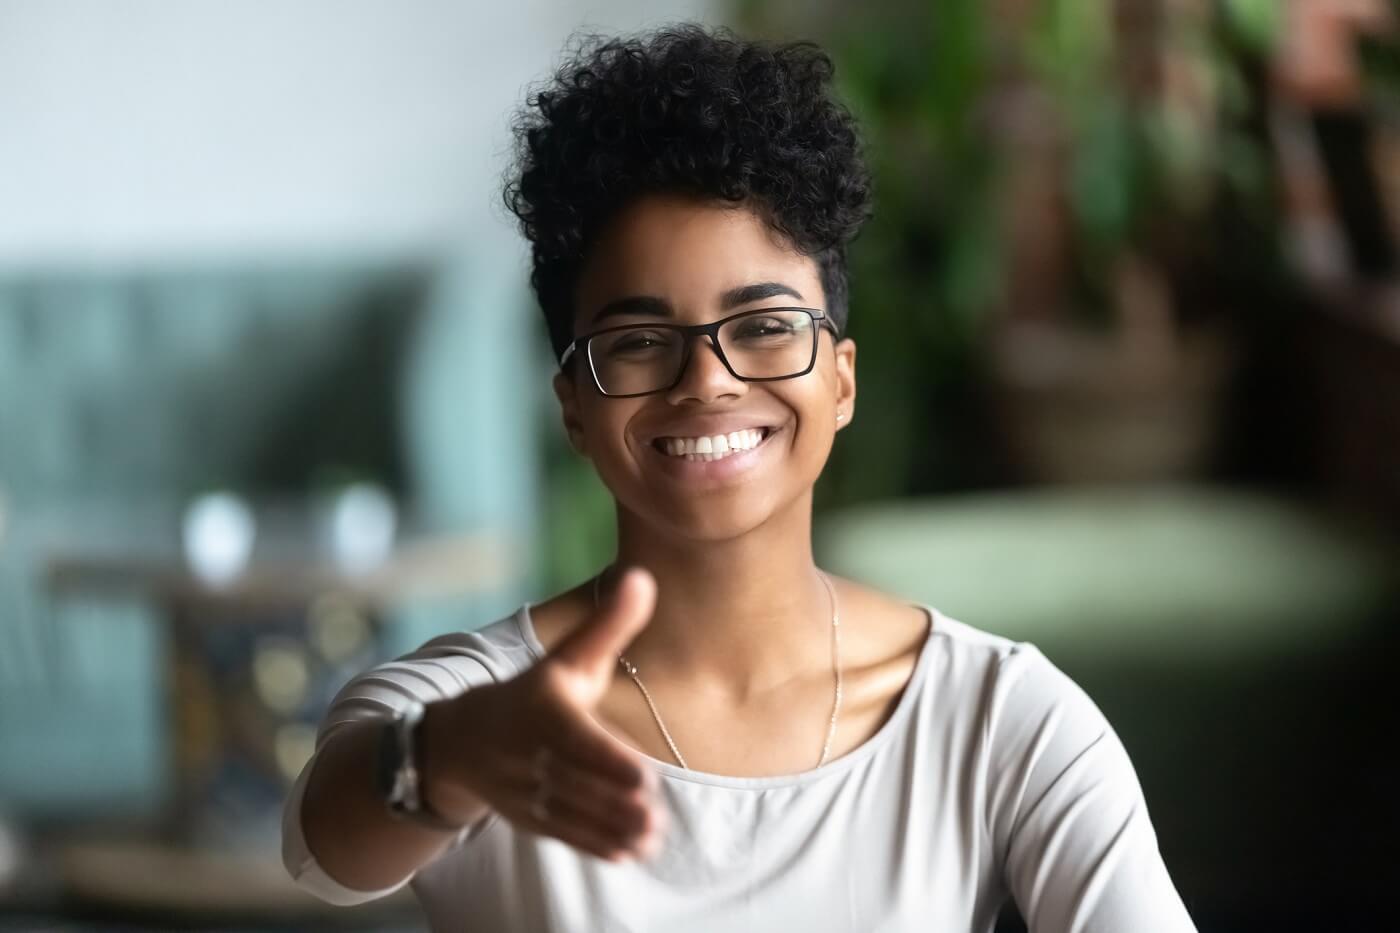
(682, 261)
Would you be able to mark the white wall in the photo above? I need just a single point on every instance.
(139, 131)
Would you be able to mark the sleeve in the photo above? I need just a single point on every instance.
(442, 668)
(1066, 812)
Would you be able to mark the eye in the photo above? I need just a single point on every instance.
(635, 342)
(765, 327)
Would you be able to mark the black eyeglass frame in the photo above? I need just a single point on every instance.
(690, 331)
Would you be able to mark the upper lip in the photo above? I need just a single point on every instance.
(708, 427)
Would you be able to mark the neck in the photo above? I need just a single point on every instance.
(738, 616)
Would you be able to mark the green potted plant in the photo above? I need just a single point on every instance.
(1101, 367)
(1046, 174)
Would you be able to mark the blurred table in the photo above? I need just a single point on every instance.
(427, 568)
(253, 666)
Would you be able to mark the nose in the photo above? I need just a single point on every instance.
(705, 377)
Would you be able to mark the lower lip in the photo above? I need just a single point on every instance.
(712, 470)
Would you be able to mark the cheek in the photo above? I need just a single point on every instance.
(815, 409)
(819, 424)
(810, 432)
(605, 426)
(813, 443)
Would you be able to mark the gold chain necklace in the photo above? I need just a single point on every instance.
(631, 670)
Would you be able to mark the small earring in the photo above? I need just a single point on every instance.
(840, 417)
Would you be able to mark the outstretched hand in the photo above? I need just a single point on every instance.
(532, 750)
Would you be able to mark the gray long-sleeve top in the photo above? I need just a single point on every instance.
(995, 776)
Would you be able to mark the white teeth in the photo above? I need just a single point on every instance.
(714, 447)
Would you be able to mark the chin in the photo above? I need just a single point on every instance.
(710, 519)
(713, 532)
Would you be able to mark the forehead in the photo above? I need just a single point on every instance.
(688, 253)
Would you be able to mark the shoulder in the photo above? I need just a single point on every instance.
(554, 618)
(1029, 722)
(502, 647)
(992, 690)
(440, 668)
(960, 650)
(1005, 690)
(516, 642)
(1007, 664)
(445, 665)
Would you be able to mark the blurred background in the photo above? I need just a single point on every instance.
(1129, 327)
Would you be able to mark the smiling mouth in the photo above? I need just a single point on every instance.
(712, 447)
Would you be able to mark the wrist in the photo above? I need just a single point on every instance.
(441, 784)
(399, 774)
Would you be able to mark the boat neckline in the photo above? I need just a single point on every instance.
(882, 737)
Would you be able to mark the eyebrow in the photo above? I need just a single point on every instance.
(660, 307)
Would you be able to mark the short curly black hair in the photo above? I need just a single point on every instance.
(687, 110)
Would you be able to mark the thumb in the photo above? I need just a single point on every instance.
(591, 650)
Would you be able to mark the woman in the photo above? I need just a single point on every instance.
(722, 737)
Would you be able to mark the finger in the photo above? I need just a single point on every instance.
(569, 734)
(632, 827)
(593, 747)
(562, 822)
(593, 647)
(584, 839)
(589, 747)
(631, 814)
(619, 738)
(631, 840)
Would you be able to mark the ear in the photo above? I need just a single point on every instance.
(567, 393)
(845, 382)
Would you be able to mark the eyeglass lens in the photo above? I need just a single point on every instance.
(763, 345)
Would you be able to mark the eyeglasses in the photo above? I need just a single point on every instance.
(755, 346)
